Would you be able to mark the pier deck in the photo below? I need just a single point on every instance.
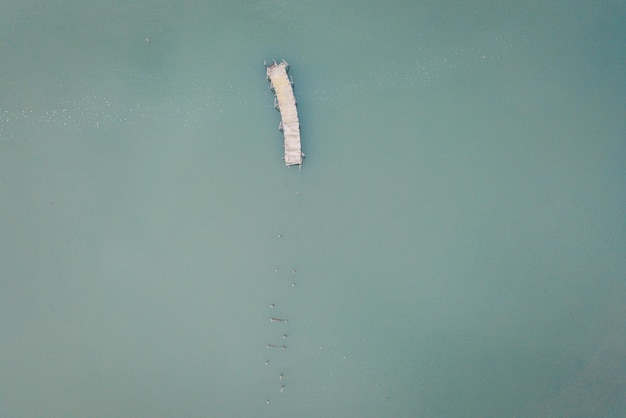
(285, 102)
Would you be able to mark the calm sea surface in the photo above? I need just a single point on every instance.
(454, 245)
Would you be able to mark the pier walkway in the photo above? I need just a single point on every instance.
(285, 102)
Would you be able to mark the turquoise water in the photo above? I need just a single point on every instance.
(457, 230)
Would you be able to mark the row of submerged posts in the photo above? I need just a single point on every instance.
(285, 102)
(285, 277)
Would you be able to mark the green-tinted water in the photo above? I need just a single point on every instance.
(457, 230)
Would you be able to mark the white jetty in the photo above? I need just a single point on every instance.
(285, 102)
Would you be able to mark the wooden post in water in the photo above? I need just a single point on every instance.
(285, 102)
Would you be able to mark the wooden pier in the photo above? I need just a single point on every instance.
(285, 102)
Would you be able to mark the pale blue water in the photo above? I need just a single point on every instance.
(457, 229)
